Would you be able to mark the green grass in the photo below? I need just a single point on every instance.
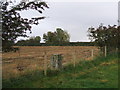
(99, 73)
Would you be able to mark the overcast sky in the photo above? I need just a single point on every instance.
(74, 17)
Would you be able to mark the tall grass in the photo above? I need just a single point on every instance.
(98, 73)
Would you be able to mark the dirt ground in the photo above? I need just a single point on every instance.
(30, 58)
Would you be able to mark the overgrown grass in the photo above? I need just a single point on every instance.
(102, 72)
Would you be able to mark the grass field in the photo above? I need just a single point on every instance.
(101, 72)
(31, 58)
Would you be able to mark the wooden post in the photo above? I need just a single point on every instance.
(19, 52)
(45, 63)
(92, 53)
(105, 51)
(74, 59)
(116, 50)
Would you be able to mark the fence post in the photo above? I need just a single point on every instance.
(45, 63)
(19, 52)
(74, 58)
(105, 51)
(92, 53)
(116, 50)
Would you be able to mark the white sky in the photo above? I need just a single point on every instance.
(75, 17)
(81, 0)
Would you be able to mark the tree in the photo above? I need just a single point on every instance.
(13, 25)
(38, 39)
(49, 38)
(62, 36)
(32, 41)
(105, 36)
(58, 37)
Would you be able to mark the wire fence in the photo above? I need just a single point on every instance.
(32, 58)
(39, 58)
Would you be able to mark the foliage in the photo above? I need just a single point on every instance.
(72, 44)
(105, 36)
(13, 25)
(32, 41)
(23, 43)
(58, 37)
